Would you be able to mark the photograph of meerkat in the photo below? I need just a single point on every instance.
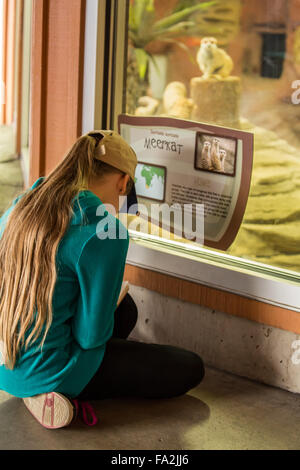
(216, 154)
(205, 160)
(223, 154)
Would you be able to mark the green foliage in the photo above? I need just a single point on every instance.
(143, 28)
(181, 4)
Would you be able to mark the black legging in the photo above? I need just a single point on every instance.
(136, 369)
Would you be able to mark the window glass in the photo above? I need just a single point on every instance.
(262, 39)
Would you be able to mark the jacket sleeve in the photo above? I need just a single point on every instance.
(100, 271)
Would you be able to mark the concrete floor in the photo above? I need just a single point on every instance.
(224, 412)
(11, 183)
(11, 178)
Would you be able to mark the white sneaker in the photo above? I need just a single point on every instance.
(52, 410)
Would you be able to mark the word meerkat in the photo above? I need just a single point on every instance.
(212, 60)
(205, 160)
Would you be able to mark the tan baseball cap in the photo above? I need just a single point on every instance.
(111, 148)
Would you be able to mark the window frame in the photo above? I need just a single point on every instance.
(106, 24)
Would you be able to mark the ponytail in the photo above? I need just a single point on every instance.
(29, 243)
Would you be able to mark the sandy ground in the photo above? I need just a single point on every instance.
(270, 230)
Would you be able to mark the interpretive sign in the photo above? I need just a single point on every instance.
(194, 169)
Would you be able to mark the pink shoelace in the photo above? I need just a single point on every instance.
(86, 408)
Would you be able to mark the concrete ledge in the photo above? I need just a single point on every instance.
(226, 342)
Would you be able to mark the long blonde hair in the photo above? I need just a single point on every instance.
(29, 243)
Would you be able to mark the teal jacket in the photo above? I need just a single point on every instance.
(89, 277)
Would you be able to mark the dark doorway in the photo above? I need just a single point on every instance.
(273, 53)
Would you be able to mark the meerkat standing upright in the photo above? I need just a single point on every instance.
(215, 155)
(223, 154)
(205, 160)
(212, 60)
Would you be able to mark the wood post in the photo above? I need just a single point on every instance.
(56, 81)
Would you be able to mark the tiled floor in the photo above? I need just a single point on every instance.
(224, 412)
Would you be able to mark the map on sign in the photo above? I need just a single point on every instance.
(150, 181)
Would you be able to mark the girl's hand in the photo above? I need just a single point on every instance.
(124, 290)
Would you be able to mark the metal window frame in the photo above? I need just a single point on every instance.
(104, 100)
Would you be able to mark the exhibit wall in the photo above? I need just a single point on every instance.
(257, 278)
